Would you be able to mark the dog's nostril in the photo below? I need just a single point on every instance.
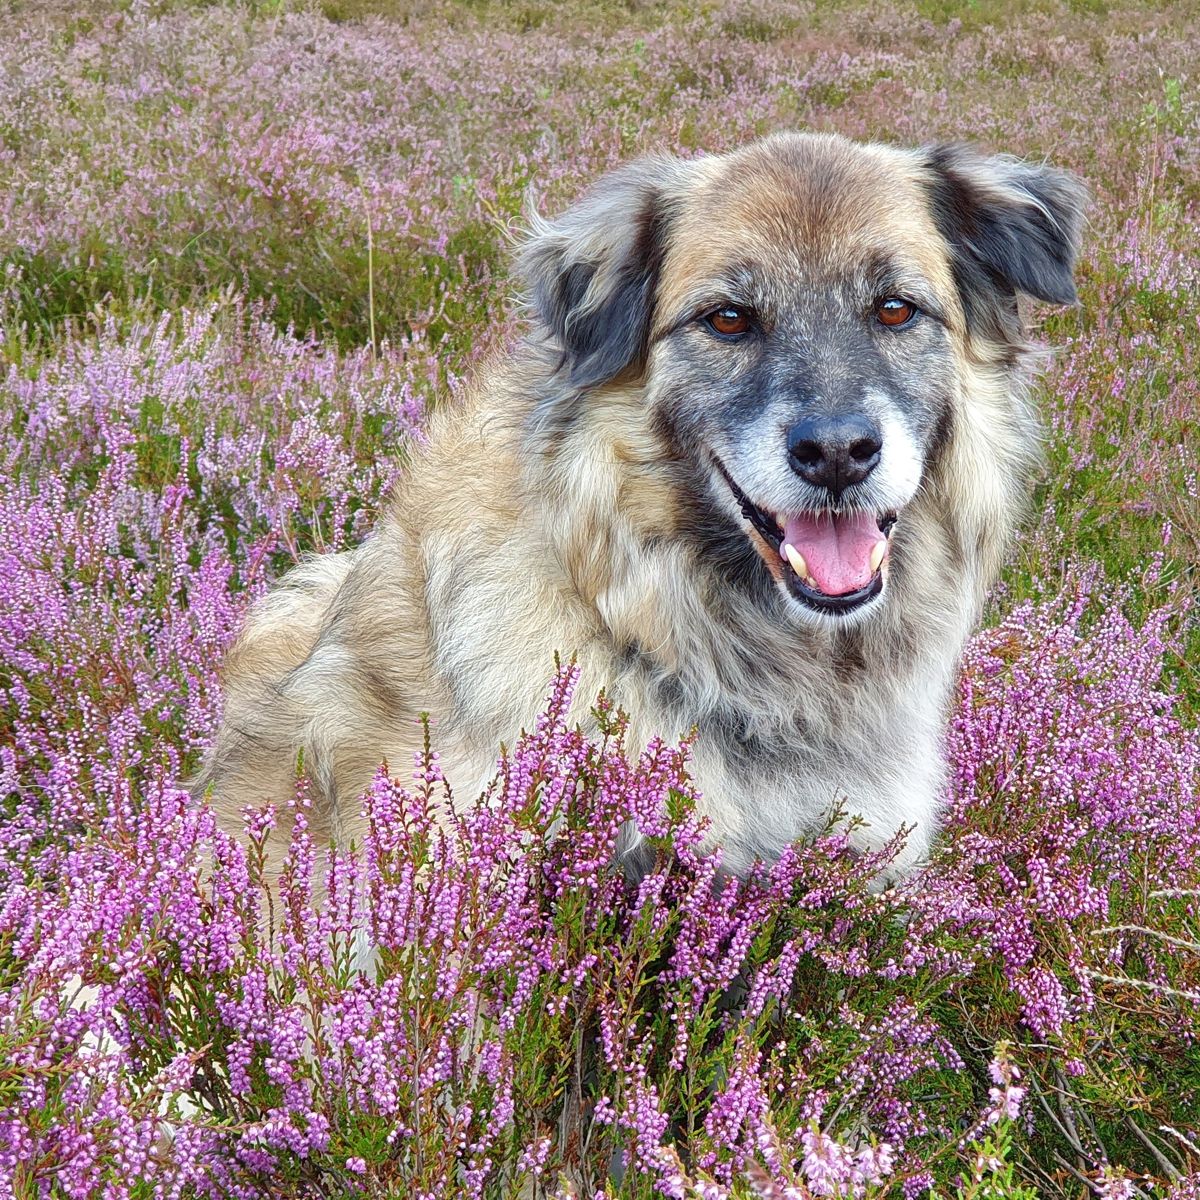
(808, 454)
(865, 448)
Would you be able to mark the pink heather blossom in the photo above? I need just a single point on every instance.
(834, 1169)
(1004, 1100)
(1115, 1185)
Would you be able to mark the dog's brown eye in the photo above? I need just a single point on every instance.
(894, 311)
(730, 321)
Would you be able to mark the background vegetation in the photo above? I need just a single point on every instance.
(243, 248)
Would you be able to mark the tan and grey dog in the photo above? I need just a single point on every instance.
(755, 466)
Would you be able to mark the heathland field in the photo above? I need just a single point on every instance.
(244, 250)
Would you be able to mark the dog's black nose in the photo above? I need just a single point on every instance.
(835, 450)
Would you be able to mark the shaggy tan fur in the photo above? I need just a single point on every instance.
(558, 507)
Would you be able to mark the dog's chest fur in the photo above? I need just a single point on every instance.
(790, 723)
(774, 763)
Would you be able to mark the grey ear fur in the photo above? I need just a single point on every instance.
(591, 274)
(1011, 226)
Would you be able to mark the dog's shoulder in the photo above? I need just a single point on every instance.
(467, 473)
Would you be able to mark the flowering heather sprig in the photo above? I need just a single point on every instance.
(1007, 1094)
(1085, 816)
(833, 1169)
(130, 467)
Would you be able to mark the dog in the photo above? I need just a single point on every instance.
(755, 466)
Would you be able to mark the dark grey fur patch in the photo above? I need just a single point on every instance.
(591, 278)
(605, 341)
(1011, 227)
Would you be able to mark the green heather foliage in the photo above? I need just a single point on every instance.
(243, 250)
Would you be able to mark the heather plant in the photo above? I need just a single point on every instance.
(209, 372)
(143, 158)
(529, 1015)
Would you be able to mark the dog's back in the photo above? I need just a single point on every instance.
(450, 609)
(253, 760)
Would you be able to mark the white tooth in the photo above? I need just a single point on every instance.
(877, 552)
(797, 560)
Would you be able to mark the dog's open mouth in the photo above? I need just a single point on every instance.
(832, 562)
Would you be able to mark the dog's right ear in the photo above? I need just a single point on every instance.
(591, 275)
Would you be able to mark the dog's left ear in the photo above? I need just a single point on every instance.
(1011, 225)
(591, 275)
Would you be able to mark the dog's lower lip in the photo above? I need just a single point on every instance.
(836, 605)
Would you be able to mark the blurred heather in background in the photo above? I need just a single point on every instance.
(243, 250)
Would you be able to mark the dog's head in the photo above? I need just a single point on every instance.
(800, 315)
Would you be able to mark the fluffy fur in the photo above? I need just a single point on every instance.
(580, 498)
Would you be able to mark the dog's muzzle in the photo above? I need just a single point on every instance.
(832, 562)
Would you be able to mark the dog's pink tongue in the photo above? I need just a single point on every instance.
(837, 549)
